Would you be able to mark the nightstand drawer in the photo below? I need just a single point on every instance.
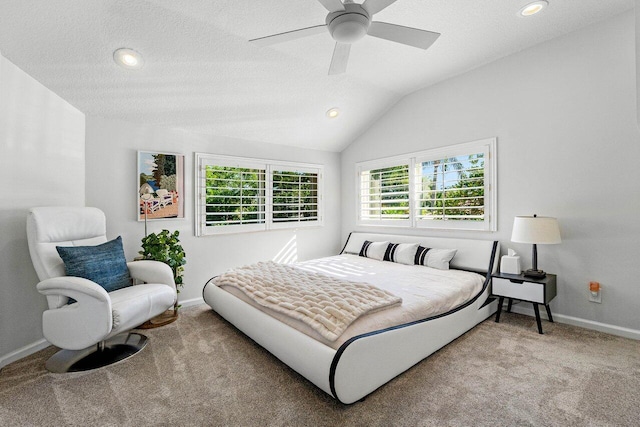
(526, 291)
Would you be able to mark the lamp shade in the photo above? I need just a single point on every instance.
(145, 191)
(536, 229)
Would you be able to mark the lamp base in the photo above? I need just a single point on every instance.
(536, 274)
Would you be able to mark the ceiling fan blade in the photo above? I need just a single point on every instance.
(332, 5)
(405, 35)
(340, 58)
(375, 6)
(289, 35)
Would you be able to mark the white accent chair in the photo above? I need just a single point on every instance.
(165, 197)
(91, 331)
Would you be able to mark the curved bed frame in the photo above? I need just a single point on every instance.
(366, 362)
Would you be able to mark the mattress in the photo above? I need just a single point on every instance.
(425, 292)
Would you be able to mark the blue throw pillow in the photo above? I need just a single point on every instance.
(104, 264)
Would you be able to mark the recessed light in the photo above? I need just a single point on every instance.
(128, 58)
(533, 8)
(333, 113)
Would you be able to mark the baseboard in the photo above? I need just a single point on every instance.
(583, 323)
(191, 302)
(23, 352)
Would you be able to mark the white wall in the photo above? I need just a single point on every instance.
(564, 113)
(41, 164)
(111, 178)
(637, 12)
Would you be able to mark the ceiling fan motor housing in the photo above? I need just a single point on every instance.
(350, 25)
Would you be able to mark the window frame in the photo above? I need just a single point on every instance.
(269, 166)
(486, 146)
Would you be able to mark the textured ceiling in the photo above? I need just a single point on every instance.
(201, 74)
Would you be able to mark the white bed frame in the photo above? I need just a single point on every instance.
(367, 361)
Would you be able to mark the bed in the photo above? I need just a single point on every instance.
(369, 353)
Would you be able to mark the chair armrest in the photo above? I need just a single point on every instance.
(73, 287)
(80, 325)
(152, 272)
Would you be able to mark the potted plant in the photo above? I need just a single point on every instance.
(165, 247)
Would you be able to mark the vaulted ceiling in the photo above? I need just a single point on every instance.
(202, 75)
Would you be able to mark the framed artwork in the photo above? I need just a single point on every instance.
(160, 185)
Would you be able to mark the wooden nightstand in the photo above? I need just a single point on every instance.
(520, 287)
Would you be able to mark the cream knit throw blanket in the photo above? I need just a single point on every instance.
(327, 304)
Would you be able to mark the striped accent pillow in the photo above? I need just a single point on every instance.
(403, 253)
(434, 258)
(374, 250)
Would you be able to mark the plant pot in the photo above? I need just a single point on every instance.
(165, 318)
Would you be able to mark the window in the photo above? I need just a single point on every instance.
(384, 194)
(451, 187)
(239, 194)
(295, 196)
(234, 195)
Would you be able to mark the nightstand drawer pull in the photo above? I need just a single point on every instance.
(516, 281)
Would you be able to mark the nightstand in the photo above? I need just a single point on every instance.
(520, 287)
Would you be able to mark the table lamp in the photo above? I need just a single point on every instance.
(538, 230)
(146, 194)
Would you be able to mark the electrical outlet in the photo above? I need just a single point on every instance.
(595, 292)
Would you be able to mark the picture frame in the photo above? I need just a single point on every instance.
(160, 186)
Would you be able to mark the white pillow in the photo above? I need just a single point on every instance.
(374, 250)
(434, 258)
(403, 253)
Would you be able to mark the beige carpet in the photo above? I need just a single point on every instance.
(202, 371)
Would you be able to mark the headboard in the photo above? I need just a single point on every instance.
(475, 255)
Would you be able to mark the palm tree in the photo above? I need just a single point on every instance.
(444, 165)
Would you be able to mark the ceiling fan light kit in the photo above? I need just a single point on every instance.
(348, 26)
(349, 22)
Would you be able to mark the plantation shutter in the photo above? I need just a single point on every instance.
(384, 194)
(233, 194)
(295, 195)
(238, 194)
(450, 188)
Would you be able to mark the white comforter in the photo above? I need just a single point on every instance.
(425, 292)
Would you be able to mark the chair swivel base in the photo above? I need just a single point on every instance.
(105, 353)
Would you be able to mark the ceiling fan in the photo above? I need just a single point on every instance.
(347, 23)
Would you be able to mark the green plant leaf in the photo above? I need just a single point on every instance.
(165, 247)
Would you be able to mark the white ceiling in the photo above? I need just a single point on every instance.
(202, 75)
